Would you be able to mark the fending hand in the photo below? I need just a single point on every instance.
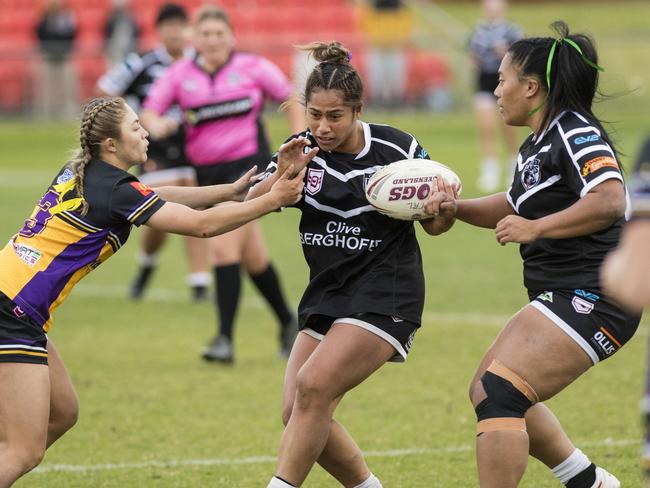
(293, 153)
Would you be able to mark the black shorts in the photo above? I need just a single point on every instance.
(21, 340)
(487, 82)
(222, 173)
(596, 324)
(397, 332)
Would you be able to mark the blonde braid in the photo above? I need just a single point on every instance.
(79, 162)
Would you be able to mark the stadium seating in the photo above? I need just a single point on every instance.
(269, 27)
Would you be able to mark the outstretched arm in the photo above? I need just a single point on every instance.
(179, 219)
(291, 154)
(485, 211)
(207, 196)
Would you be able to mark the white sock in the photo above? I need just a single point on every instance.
(571, 466)
(278, 483)
(147, 260)
(201, 278)
(371, 482)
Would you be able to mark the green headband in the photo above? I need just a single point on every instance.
(549, 64)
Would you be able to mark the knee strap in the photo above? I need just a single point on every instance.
(509, 396)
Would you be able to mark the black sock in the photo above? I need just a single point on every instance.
(268, 284)
(584, 479)
(228, 282)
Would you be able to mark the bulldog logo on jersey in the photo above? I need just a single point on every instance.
(531, 174)
(314, 180)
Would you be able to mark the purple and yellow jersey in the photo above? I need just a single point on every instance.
(58, 246)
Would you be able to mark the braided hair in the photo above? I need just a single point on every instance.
(101, 119)
(333, 72)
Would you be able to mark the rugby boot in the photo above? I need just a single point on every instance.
(140, 282)
(220, 350)
(605, 479)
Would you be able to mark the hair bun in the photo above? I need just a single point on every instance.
(334, 52)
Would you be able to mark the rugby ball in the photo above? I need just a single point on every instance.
(400, 190)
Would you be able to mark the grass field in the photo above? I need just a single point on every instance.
(154, 415)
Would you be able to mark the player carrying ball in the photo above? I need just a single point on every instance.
(566, 207)
(363, 303)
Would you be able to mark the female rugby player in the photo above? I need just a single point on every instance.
(83, 218)
(363, 304)
(565, 207)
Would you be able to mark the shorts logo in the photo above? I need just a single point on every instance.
(595, 164)
(141, 187)
(314, 180)
(18, 312)
(409, 342)
(582, 306)
(547, 296)
(606, 341)
(588, 295)
(531, 174)
(396, 319)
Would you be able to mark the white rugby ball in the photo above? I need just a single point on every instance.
(400, 190)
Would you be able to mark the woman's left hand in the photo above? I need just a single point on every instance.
(242, 185)
(514, 228)
(442, 202)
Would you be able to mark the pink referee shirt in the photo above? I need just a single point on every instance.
(221, 110)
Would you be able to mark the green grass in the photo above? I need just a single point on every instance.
(149, 404)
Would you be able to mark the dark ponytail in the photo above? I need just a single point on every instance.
(573, 73)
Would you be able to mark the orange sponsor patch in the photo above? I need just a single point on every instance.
(601, 162)
(141, 187)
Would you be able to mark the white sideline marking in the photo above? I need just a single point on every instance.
(174, 463)
(254, 301)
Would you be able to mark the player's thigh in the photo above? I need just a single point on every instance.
(537, 350)
(255, 255)
(24, 404)
(64, 404)
(347, 355)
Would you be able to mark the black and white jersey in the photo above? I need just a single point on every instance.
(359, 260)
(487, 37)
(553, 172)
(133, 78)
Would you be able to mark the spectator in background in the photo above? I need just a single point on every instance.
(388, 25)
(57, 91)
(120, 33)
(488, 43)
(167, 164)
(222, 93)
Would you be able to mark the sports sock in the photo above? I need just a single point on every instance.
(277, 482)
(200, 278)
(228, 282)
(147, 260)
(576, 471)
(268, 284)
(371, 482)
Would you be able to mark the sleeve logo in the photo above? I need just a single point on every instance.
(142, 188)
(595, 164)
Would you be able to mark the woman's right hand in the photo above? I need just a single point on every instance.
(293, 153)
(288, 188)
